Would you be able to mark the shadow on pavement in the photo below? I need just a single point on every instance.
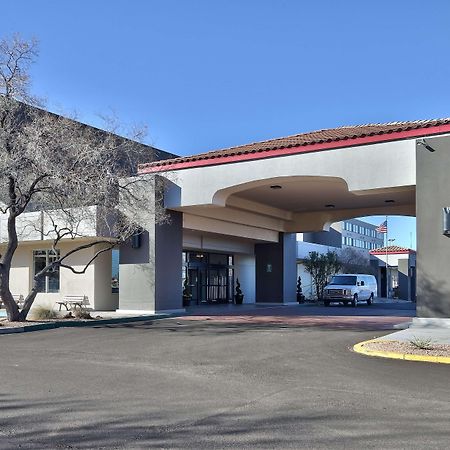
(72, 423)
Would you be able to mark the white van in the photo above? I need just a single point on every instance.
(350, 288)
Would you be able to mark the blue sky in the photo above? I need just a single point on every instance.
(208, 74)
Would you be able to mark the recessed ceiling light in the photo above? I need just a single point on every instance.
(329, 206)
(389, 201)
(275, 186)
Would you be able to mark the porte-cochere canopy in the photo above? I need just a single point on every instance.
(259, 192)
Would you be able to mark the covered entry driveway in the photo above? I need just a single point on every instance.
(382, 314)
(250, 201)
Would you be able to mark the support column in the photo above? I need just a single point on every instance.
(150, 275)
(150, 270)
(433, 249)
(276, 270)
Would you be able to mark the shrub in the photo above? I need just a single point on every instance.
(81, 313)
(43, 313)
(423, 344)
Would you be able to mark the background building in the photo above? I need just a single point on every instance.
(352, 234)
(401, 264)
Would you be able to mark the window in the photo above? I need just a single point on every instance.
(41, 258)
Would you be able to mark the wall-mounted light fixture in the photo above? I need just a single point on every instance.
(275, 186)
(423, 143)
(446, 221)
(136, 238)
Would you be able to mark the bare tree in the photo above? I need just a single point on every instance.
(62, 178)
(355, 261)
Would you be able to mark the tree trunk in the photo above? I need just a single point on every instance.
(28, 303)
(12, 310)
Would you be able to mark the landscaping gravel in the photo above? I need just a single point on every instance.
(408, 348)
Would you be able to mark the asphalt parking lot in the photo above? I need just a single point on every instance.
(207, 384)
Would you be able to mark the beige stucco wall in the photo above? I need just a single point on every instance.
(363, 168)
(95, 283)
(31, 226)
(211, 197)
(245, 271)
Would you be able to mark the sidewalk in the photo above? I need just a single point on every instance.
(422, 341)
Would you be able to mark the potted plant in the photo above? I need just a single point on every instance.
(239, 296)
(300, 296)
(186, 293)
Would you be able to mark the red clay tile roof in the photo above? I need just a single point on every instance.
(391, 249)
(345, 133)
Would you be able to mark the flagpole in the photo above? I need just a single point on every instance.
(387, 265)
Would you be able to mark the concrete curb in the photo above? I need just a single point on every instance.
(75, 324)
(359, 348)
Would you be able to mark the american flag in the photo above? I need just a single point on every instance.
(382, 228)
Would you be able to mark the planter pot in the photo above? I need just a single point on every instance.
(300, 298)
(186, 301)
(238, 299)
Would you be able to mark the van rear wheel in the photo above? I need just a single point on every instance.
(355, 301)
(370, 299)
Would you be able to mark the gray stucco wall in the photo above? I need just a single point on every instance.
(403, 279)
(269, 273)
(130, 255)
(290, 267)
(276, 270)
(150, 276)
(331, 238)
(169, 252)
(433, 249)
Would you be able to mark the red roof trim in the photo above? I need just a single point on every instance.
(403, 252)
(351, 142)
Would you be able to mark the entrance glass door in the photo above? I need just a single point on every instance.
(218, 285)
(210, 277)
(197, 283)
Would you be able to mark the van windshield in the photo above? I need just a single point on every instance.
(345, 280)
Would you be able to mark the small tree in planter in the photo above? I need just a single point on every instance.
(300, 296)
(186, 293)
(239, 296)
